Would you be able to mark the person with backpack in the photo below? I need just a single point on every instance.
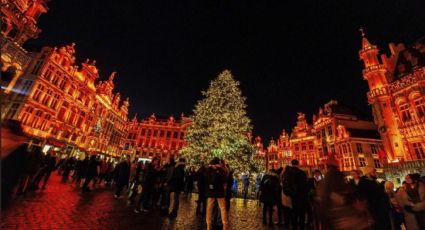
(216, 187)
(295, 186)
(269, 195)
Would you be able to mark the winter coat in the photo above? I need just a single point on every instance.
(216, 180)
(270, 189)
(295, 186)
(201, 180)
(377, 200)
(177, 179)
(413, 220)
(123, 173)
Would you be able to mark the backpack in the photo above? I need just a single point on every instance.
(214, 178)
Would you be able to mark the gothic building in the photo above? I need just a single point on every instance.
(396, 94)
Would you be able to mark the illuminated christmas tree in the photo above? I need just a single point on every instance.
(220, 127)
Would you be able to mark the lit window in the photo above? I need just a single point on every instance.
(47, 97)
(359, 147)
(362, 162)
(377, 163)
(420, 107)
(405, 114)
(419, 151)
(373, 148)
(38, 92)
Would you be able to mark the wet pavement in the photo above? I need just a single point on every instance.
(63, 206)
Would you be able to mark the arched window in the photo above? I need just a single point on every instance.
(404, 112)
(420, 107)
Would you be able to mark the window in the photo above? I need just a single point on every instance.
(38, 92)
(26, 87)
(419, 151)
(63, 111)
(47, 97)
(420, 107)
(332, 148)
(37, 67)
(36, 119)
(359, 147)
(27, 114)
(155, 133)
(362, 162)
(330, 130)
(48, 72)
(143, 132)
(149, 132)
(161, 133)
(346, 162)
(175, 135)
(56, 79)
(344, 148)
(44, 122)
(303, 146)
(377, 163)
(310, 145)
(55, 101)
(12, 110)
(297, 148)
(323, 132)
(404, 112)
(374, 148)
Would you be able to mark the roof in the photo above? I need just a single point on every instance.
(364, 133)
(410, 58)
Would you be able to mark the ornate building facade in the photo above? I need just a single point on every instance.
(57, 100)
(157, 136)
(396, 93)
(336, 132)
(18, 24)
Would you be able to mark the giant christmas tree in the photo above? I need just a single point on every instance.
(220, 127)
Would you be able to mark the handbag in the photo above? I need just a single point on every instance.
(286, 200)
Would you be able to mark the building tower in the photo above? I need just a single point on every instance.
(376, 74)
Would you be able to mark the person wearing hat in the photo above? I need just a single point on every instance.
(376, 198)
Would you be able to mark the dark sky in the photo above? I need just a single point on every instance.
(289, 56)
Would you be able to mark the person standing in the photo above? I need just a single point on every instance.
(148, 186)
(47, 168)
(269, 195)
(376, 198)
(216, 183)
(123, 176)
(201, 184)
(245, 182)
(229, 189)
(69, 165)
(411, 198)
(177, 185)
(189, 180)
(295, 186)
(92, 172)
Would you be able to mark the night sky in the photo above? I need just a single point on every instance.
(290, 56)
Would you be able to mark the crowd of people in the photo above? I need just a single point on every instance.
(322, 201)
(332, 201)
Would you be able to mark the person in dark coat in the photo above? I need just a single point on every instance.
(32, 164)
(69, 165)
(92, 171)
(123, 176)
(14, 152)
(148, 186)
(46, 169)
(295, 186)
(168, 170)
(229, 185)
(216, 187)
(269, 195)
(377, 200)
(188, 181)
(201, 206)
(177, 185)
